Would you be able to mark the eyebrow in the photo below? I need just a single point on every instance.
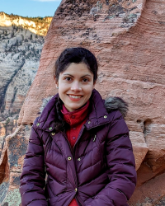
(81, 77)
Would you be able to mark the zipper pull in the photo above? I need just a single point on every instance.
(94, 139)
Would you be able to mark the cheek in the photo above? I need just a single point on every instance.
(62, 86)
(62, 90)
(89, 90)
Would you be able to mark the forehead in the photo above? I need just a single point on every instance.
(77, 69)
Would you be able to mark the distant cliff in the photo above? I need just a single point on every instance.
(21, 42)
(37, 25)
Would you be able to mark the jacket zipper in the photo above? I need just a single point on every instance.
(72, 151)
(80, 203)
(64, 134)
(78, 139)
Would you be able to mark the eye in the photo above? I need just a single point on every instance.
(68, 78)
(85, 80)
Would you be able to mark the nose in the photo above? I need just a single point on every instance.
(76, 86)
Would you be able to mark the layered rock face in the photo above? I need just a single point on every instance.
(20, 52)
(127, 38)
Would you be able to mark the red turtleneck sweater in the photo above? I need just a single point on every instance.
(76, 120)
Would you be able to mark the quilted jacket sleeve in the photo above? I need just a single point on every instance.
(121, 166)
(33, 175)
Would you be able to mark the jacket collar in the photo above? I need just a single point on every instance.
(98, 115)
(98, 111)
(46, 121)
(76, 117)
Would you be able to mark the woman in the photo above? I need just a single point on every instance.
(80, 141)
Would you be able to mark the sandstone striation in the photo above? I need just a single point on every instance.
(128, 39)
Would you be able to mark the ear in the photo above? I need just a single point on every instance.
(56, 82)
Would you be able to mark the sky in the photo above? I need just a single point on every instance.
(30, 8)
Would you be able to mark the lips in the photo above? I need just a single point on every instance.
(74, 97)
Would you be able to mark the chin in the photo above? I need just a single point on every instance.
(73, 108)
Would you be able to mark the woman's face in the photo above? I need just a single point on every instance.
(75, 85)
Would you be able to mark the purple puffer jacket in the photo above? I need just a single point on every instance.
(98, 171)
